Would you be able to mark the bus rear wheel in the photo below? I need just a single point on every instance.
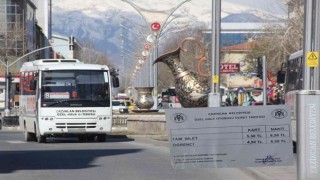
(27, 135)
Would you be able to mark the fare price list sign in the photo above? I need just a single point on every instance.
(230, 136)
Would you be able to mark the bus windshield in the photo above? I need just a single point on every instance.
(75, 88)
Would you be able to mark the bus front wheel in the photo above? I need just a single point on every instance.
(101, 138)
(40, 139)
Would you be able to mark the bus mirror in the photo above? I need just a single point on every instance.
(281, 77)
(115, 82)
(33, 84)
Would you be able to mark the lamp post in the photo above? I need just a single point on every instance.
(214, 95)
(127, 59)
(7, 65)
(154, 25)
(143, 75)
(142, 30)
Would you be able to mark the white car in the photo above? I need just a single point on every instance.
(119, 105)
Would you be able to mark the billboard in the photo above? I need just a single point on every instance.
(228, 68)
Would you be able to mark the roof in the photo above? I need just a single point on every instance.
(243, 47)
(60, 64)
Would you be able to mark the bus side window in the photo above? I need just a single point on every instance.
(33, 84)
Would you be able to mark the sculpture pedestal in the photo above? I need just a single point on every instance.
(144, 110)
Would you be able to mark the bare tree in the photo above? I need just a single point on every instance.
(89, 55)
(12, 44)
(279, 40)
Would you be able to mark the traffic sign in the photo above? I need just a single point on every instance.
(215, 79)
(260, 134)
(312, 59)
(155, 26)
(240, 90)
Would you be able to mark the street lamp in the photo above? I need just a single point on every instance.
(214, 96)
(144, 73)
(141, 27)
(129, 51)
(7, 65)
(155, 26)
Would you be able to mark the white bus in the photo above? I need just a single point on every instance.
(64, 97)
(291, 75)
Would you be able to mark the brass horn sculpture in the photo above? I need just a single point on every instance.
(191, 90)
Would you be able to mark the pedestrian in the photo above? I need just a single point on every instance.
(235, 101)
(160, 101)
(228, 101)
(251, 100)
(278, 99)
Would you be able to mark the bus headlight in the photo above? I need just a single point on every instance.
(47, 118)
(103, 117)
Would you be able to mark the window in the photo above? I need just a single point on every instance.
(81, 88)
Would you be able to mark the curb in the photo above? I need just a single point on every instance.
(153, 137)
(11, 128)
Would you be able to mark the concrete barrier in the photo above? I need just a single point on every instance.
(119, 123)
(133, 123)
(141, 123)
(147, 124)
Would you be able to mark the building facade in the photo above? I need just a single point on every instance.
(21, 32)
(66, 47)
(44, 24)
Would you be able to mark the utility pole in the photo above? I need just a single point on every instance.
(214, 99)
(308, 100)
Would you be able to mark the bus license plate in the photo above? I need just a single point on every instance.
(77, 130)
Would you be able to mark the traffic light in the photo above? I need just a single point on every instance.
(71, 43)
(114, 72)
(115, 79)
(259, 68)
(9, 78)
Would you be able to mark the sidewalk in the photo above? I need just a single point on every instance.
(10, 128)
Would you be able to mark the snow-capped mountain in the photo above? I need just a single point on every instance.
(99, 21)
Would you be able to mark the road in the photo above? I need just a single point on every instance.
(118, 158)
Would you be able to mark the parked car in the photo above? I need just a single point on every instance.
(120, 105)
(129, 104)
